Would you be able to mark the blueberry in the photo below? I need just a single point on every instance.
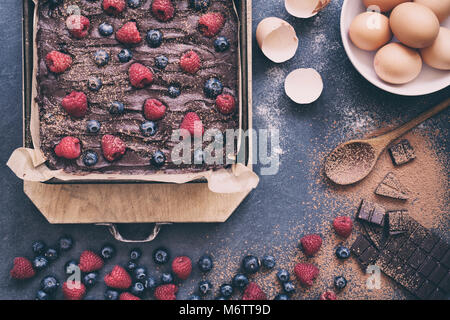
(93, 126)
(240, 281)
(199, 156)
(90, 158)
(198, 5)
(268, 262)
(158, 159)
(41, 295)
(340, 282)
(149, 128)
(204, 287)
(342, 252)
(221, 44)
(194, 297)
(135, 254)
(174, 90)
(283, 275)
(111, 295)
(213, 87)
(154, 38)
(140, 273)
(116, 107)
(161, 255)
(205, 263)
(125, 55)
(107, 251)
(94, 84)
(134, 3)
(70, 267)
(38, 247)
(131, 265)
(226, 290)
(161, 62)
(137, 289)
(166, 278)
(288, 287)
(101, 58)
(150, 283)
(49, 284)
(250, 264)
(65, 243)
(281, 297)
(90, 279)
(51, 254)
(105, 29)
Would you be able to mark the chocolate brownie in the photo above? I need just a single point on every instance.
(117, 104)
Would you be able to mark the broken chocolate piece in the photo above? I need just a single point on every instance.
(375, 235)
(402, 152)
(360, 245)
(399, 221)
(364, 251)
(371, 212)
(392, 188)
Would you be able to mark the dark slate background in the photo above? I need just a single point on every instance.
(277, 200)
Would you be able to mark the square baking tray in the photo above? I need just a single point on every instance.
(242, 7)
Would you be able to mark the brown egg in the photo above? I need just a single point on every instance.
(438, 54)
(384, 5)
(414, 24)
(397, 64)
(441, 8)
(370, 31)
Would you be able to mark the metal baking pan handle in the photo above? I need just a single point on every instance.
(112, 227)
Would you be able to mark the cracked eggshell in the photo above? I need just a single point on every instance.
(277, 39)
(303, 86)
(305, 8)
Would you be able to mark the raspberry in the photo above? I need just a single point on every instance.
(328, 295)
(90, 261)
(210, 24)
(129, 34)
(68, 148)
(118, 278)
(22, 269)
(113, 6)
(253, 292)
(75, 104)
(73, 290)
(182, 267)
(193, 124)
(166, 292)
(306, 273)
(190, 62)
(163, 10)
(311, 244)
(128, 296)
(78, 26)
(58, 62)
(140, 76)
(225, 103)
(154, 109)
(343, 226)
(112, 147)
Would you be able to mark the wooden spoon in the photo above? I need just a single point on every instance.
(352, 161)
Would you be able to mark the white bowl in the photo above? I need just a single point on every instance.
(429, 80)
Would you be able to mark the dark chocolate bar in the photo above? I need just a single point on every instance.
(371, 212)
(399, 221)
(392, 188)
(402, 152)
(364, 251)
(375, 234)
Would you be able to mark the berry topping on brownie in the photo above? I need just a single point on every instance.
(149, 128)
(93, 126)
(125, 55)
(112, 147)
(75, 104)
(198, 5)
(94, 84)
(163, 10)
(213, 87)
(158, 158)
(68, 148)
(105, 29)
(225, 103)
(154, 38)
(161, 62)
(78, 26)
(129, 33)
(211, 23)
(58, 62)
(90, 158)
(154, 109)
(140, 75)
(116, 107)
(101, 58)
(193, 124)
(134, 3)
(221, 44)
(190, 62)
(113, 6)
(174, 90)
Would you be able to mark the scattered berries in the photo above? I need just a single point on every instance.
(125, 55)
(343, 226)
(131, 265)
(73, 290)
(211, 23)
(283, 275)
(311, 244)
(93, 126)
(225, 103)
(213, 87)
(135, 254)
(140, 273)
(174, 90)
(158, 158)
(90, 158)
(163, 10)
(118, 278)
(70, 267)
(38, 247)
(154, 109)
(129, 34)
(342, 252)
(51, 254)
(65, 243)
(90, 261)
(328, 295)
(94, 83)
(105, 29)
(204, 287)
(288, 287)
(199, 5)
(166, 292)
(221, 44)
(128, 296)
(101, 58)
(205, 263)
(134, 3)
(340, 282)
(41, 295)
(22, 269)
(149, 128)
(190, 62)
(193, 124)
(90, 279)
(281, 296)
(226, 290)
(306, 273)
(107, 251)
(182, 267)
(161, 62)
(75, 104)
(58, 62)
(240, 281)
(137, 289)
(150, 284)
(68, 148)
(166, 278)
(78, 26)
(113, 7)
(250, 264)
(154, 38)
(39, 263)
(116, 108)
(269, 262)
(253, 292)
(140, 76)
(112, 147)
(161, 255)
(111, 295)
